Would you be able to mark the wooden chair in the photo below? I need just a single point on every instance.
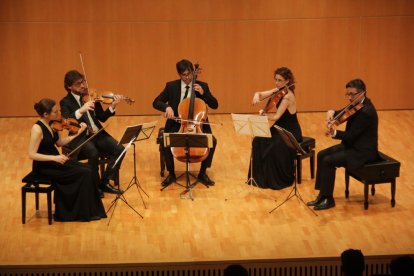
(385, 170)
(308, 144)
(35, 183)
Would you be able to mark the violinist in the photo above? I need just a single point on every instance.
(76, 195)
(273, 160)
(169, 99)
(359, 142)
(92, 114)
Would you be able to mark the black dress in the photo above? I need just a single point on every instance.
(273, 160)
(76, 193)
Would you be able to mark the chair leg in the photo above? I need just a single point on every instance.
(37, 198)
(49, 207)
(162, 161)
(346, 184)
(366, 186)
(23, 205)
(312, 164)
(393, 192)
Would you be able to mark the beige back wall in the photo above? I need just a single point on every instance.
(132, 46)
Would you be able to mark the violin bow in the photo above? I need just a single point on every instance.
(84, 74)
(84, 142)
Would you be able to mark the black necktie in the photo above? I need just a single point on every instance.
(186, 91)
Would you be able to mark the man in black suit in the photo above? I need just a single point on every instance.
(168, 101)
(92, 113)
(359, 144)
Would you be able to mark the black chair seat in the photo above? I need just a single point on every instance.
(385, 170)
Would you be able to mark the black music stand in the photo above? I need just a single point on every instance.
(291, 142)
(130, 136)
(188, 140)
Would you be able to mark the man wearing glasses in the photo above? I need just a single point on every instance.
(168, 101)
(359, 142)
(92, 114)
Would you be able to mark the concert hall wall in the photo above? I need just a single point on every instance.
(131, 47)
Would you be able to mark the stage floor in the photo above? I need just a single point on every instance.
(229, 221)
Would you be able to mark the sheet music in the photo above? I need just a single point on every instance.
(253, 125)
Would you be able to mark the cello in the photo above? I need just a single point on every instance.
(193, 113)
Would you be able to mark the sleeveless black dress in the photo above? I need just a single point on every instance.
(76, 193)
(273, 160)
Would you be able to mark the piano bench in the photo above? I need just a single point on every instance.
(385, 170)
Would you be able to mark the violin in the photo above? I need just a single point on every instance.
(70, 124)
(346, 112)
(105, 98)
(274, 98)
(192, 113)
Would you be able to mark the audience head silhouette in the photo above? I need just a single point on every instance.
(235, 270)
(402, 266)
(353, 263)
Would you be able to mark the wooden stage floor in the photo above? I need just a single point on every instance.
(210, 228)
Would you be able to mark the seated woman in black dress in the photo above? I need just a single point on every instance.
(76, 192)
(273, 160)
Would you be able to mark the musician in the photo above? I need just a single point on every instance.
(76, 195)
(359, 144)
(92, 113)
(273, 160)
(169, 99)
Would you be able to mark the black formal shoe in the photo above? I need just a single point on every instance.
(324, 204)
(315, 202)
(101, 193)
(203, 178)
(108, 188)
(168, 180)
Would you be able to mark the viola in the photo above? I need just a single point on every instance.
(346, 112)
(105, 97)
(274, 98)
(192, 112)
(70, 124)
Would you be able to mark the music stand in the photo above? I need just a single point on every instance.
(132, 133)
(188, 140)
(291, 142)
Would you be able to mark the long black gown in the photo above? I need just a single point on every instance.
(273, 160)
(76, 193)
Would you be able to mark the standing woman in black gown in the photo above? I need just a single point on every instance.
(76, 192)
(273, 160)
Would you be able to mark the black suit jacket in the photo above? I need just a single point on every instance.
(360, 137)
(171, 96)
(69, 105)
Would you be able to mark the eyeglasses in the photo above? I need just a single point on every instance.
(352, 94)
(79, 82)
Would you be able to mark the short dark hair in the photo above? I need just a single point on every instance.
(44, 106)
(287, 74)
(358, 84)
(71, 77)
(184, 65)
(352, 262)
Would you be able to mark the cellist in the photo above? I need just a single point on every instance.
(168, 101)
(359, 142)
(273, 161)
